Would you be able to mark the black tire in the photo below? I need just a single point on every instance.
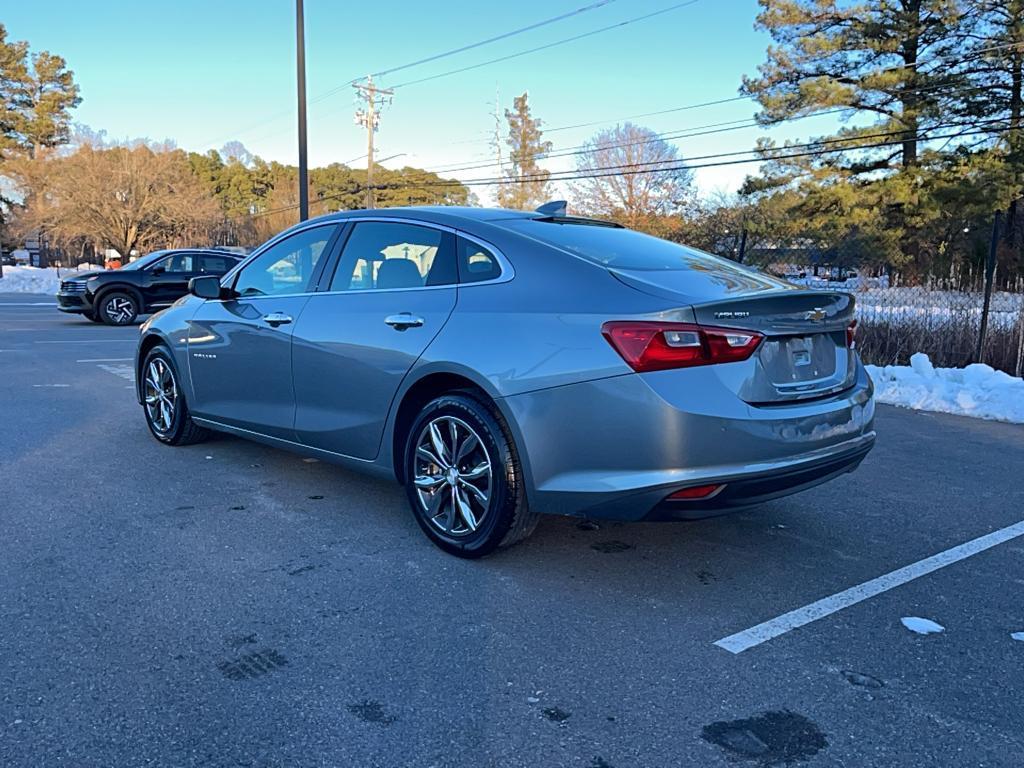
(117, 308)
(506, 518)
(180, 430)
(92, 316)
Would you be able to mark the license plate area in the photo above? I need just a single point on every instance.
(798, 363)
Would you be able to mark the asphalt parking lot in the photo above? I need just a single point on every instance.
(228, 604)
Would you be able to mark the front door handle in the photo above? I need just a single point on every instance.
(403, 320)
(275, 319)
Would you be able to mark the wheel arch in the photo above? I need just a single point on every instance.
(433, 382)
(146, 344)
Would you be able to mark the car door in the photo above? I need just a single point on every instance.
(391, 291)
(239, 349)
(167, 280)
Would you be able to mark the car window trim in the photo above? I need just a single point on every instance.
(507, 271)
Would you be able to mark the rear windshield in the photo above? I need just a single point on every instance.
(616, 248)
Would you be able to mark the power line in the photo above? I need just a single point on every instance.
(681, 162)
(548, 45)
(495, 39)
(682, 133)
(686, 163)
(505, 35)
(747, 97)
(582, 149)
(649, 114)
(331, 92)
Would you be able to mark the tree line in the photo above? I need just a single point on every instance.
(927, 97)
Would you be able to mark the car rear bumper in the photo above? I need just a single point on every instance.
(616, 448)
(754, 488)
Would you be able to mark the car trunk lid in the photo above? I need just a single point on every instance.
(804, 353)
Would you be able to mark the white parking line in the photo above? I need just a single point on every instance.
(87, 341)
(819, 609)
(124, 371)
(105, 360)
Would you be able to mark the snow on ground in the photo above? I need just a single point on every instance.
(924, 307)
(976, 390)
(29, 280)
(38, 279)
(921, 626)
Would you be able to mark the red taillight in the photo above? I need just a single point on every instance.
(696, 492)
(851, 335)
(653, 346)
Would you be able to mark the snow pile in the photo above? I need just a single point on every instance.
(921, 626)
(976, 390)
(30, 280)
(39, 279)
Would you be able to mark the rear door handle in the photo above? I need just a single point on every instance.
(275, 319)
(403, 320)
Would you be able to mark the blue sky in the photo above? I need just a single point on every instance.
(203, 73)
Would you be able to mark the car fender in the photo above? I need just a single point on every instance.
(171, 328)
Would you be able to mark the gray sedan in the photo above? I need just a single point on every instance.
(504, 364)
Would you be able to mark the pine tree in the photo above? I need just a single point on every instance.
(36, 99)
(892, 66)
(994, 62)
(525, 183)
(879, 58)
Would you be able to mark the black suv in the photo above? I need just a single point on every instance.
(119, 296)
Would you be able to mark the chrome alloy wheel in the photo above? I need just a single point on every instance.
(161, 395)
(452, 476)
(119, 309)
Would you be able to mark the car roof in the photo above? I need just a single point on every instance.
(438, 214)
(210, 251)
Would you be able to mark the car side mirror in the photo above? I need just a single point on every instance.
(158, 270)
(205, 287)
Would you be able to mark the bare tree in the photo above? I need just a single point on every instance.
(126, 198)
(634, 176)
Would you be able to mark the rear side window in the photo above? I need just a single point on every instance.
(215, 265)
(476, 263)
(617, 248)
(383, 256)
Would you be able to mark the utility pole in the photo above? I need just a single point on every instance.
(300, 60)
(370, 118)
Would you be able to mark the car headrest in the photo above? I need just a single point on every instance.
(398, 273)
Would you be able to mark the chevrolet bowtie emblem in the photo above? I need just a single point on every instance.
(816, 314)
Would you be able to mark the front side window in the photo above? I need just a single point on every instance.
(385, 256)
(176, 263)
(285, 267)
